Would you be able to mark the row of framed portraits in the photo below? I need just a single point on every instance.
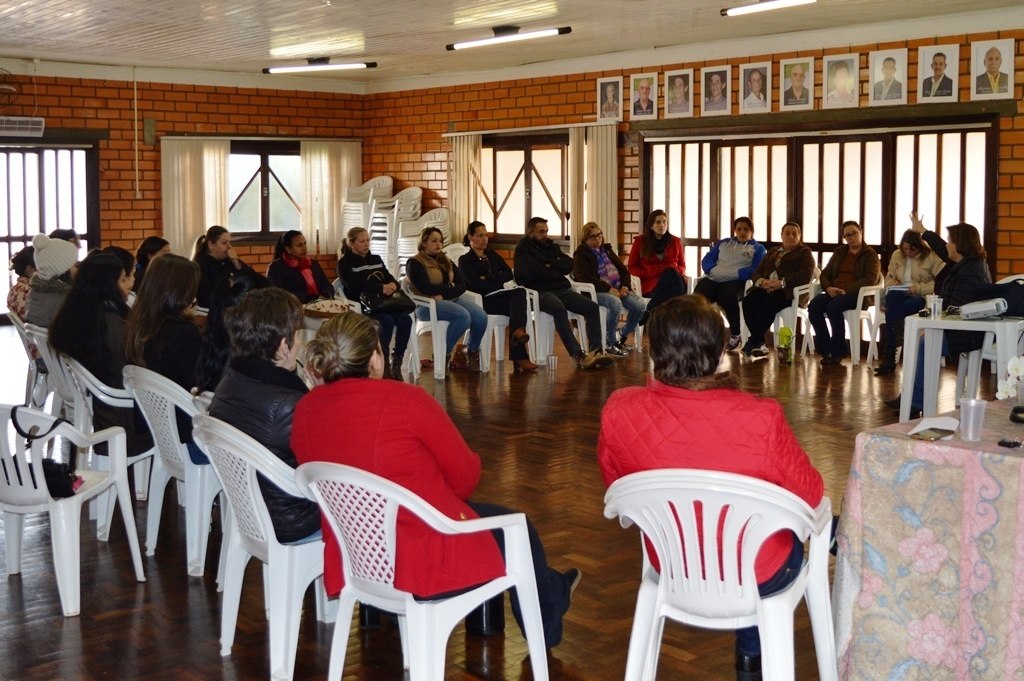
(991, 77)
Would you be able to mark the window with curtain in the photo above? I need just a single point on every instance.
(522, 177)
(821, 179)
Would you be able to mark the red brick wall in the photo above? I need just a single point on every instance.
(402, 131)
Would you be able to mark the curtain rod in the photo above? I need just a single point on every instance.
(538, 128)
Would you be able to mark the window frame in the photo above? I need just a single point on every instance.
(264, 148)
(797, 135)
(526, 143)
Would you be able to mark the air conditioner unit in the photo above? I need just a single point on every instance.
(21, 126)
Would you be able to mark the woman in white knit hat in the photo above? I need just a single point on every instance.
(56, 262)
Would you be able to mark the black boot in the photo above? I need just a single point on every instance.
(748, 667)
(396, 367)
(888, 364)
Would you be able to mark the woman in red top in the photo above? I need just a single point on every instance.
(399, 432)
(657, 259)
(689, 416)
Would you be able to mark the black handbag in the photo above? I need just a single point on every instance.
(396, 303)
(60, 477)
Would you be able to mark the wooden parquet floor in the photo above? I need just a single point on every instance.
(537, 437)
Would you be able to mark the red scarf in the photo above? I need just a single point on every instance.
(305, 268)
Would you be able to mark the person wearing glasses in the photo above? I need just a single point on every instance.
(911, 276)
(595, 262)
(727, 268)
(852, 266)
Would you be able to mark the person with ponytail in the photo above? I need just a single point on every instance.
(217, 261)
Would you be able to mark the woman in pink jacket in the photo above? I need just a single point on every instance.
(657, 259)
(690, 416)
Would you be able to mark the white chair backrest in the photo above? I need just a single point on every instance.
(237, 458)
(19, 325)
(22, 482)
(157, 397)
(1012, 277)
(64, 382)
(362, 509)
(709, 577)
(455, 251)
(92, 388)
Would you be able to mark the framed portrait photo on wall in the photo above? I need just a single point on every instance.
(716, 97)
(992, 69)
(609, 99)
(937, 71)
(841, 78)
(643, 100)
(755, 88)
(796, 84)
(679, 93)
(888, 82)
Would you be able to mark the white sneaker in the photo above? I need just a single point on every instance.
(759, 352)
(734, 343)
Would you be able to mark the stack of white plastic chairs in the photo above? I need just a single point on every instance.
(385, 216)
(359, 201)
(409, 234)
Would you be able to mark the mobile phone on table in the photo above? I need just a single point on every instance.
(931, 434)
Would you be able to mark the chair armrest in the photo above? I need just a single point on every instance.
(869, 292)
(474, 297)
(586, 289)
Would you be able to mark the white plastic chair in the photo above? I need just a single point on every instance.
(968, 370)
(157, 397)
(437, 329)
(89, 388)
(362, 510)
(58, 377)
(668, 505)
(33, 375)
(288, 569)
(589, 291)
(790, 316)
(872, 315)
(23, 490)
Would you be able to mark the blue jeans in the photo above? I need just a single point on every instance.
(830, 344)
(748, 639)
(461, 315)
(898, 306)
(635, 307)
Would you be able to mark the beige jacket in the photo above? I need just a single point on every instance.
(923, 271)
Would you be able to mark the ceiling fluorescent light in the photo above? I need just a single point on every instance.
(320, 64)
(763, 6)
(509, 34)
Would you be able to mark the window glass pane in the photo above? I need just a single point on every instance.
(245, 214)
(5, 225)
(485, 202)
(241, 169)
(50, 221)
(975, 173)
(691, 190)
(830, 215)
(927, 178)
(905, 174)
(851, 183)
(79, 189)
(65, 216)
(659, 179)
(780, 194)
(705, 199)
(873, 193)
(284, 215)
(741, 200)
(510, 194)
(16, 190)
(546, 198)
(288, 171)
(811, 210)
(949, 191)
(724, 190)
(675, 183)
(759, 188)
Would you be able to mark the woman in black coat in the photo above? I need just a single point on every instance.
(217, 261)
(295, 272)
(485, 272)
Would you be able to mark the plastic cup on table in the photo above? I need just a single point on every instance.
(972, 418)
(552, 363)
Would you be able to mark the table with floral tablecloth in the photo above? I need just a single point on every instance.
(929, 581)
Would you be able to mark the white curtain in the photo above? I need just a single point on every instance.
(577, 184)
(328, 170)
(194, 188)
(463, 184)
(602, 181)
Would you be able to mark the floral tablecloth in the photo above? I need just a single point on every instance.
(929, 582)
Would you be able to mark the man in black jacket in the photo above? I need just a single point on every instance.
(541, 265)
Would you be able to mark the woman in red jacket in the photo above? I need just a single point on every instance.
(689, 416)
(399, 432)
(657, 259)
